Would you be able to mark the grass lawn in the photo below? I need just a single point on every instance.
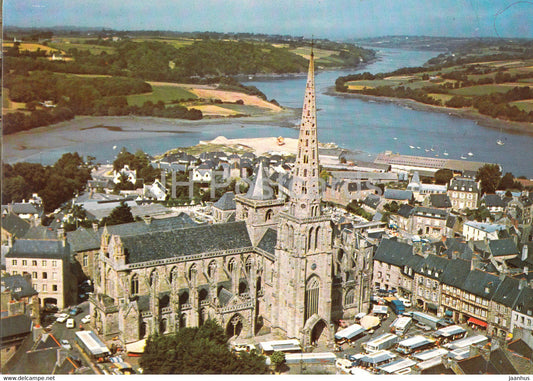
(442, 97)
(161, 93)
(526, 105)
(32, 47)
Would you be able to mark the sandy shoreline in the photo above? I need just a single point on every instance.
(89, 129)
(482, 120)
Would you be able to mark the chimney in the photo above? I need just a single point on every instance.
(525, 253)
(95, 226)
(522, 283)
(526, 270)
(147, 220)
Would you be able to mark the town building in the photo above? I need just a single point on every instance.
(463, 193)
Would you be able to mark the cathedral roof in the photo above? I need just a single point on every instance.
(187, 241)
(393, 252)
(268, 242)
(226, 202)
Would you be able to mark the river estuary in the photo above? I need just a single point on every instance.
(356, 124)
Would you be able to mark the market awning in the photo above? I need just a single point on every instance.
(369, 322)
(136, 347)
(477, 322)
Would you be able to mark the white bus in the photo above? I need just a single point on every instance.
(311, 358)
(92, 345)
(449, 333)
(385, 341)
(414, 344)
(287, 346)
(402, 366)
(401, 325)
(427, 355)
(467, 342)
(349, 333)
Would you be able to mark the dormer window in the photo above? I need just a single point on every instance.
(487, 290)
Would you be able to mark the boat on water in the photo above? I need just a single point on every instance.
(463, 157)
(417, 147)
(470, 154)
(412, 147)
(395, 138)
(500, 142)
(445, 153)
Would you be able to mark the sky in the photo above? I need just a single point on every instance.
(334, 19)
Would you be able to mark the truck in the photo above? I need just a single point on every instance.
(384, 341)
(401, 325)
(431, 321)
(397, 306)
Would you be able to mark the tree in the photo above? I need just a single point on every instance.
(507, 181)
(443, 176)
(198, 350)
(278, 359)
(489, 175)
(120, 215)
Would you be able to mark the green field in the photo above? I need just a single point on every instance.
(177, 43)
(481, 90)
(94, 49)
(243, 109)
(165, 93)
(523, 105)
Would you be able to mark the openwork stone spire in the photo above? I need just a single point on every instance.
(305, 190)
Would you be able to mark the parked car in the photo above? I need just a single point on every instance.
(71, 323)
(86, 319)
(74, 311)
(65, 344)
(62, 318)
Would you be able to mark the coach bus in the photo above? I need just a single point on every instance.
(92, 345)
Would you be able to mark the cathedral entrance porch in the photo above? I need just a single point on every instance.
(316, 332)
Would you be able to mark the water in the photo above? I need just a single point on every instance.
(355, 124)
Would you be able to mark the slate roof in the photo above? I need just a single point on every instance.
(372, 200)
(501, 363)
(46, 342)
(405, 210)
(456, 272)
(226, 202)
(476, 365)
(493, 200)
(432, 266)
(393, 252)
(398, 194)
(224, 296)
(19, 286)
(25, 208)
(508, 292)
(143, 302)
(463, 185)
(524, 302)
(268, 242)
(40, 232)
(477, 281)
(30, 248)
(15, 225)
(15, 325)
(187, 241)
(459, 248)
(518, 262)
(430, 212)
(450, 221)
(440, 200)
(519, 346)
(85, 239)
(502, 247)
(437, 369)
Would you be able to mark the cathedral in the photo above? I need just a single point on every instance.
(285, 266)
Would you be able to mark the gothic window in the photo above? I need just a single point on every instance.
(317, 235)
(212, 269)
(153, 278)
(290, 241)
(307, 142)
(192, 273)
(248, 266)
(310, 239)
(268, 215)
(184, 298)
(174, 274)
(134, 284)
(349, 298)
(232, 266)
(258, 284)
(305, 172)
(306, 159)
(312, 294)
(163, 326)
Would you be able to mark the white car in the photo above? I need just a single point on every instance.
(71, 323)
(86, 319)
(406, 302)
(65, 344)
(62, 318)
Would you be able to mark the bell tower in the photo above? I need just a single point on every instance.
(303, 271)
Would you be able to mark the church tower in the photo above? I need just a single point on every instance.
(302, 302)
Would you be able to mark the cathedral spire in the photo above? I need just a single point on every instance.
(305, 192)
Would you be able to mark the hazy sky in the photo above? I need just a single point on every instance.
(322, 18)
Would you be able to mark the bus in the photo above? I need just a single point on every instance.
(401, 325)
(415, 344)
(287, 346)
(402, 366)
(349, 333)
(385, 341)
(467, 342)
(431, 321)
(92, 345)
(311, 358)
(450, 333)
